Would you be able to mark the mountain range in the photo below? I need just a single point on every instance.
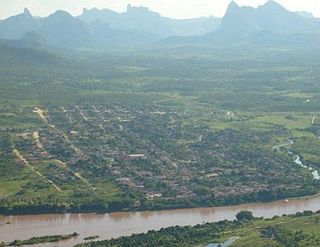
(141, 18)
(140, 26)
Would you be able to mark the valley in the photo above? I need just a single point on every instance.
(139, 141)
(118, 123)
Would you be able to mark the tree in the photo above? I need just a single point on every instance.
(244, 216)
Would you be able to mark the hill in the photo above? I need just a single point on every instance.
(19, 54)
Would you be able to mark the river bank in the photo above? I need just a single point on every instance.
(255, 197)
(114, 225)
(289, 230)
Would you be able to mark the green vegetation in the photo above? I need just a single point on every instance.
(244, 216)
(91, 237)
(40, 240)
(302, 229)
(155, 129)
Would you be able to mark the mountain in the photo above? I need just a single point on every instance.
(305, 14)
(268, 25)
(59, 29)
(97, 29)
(275, 18)
(63, 30)
(270, 18)
(142, 19)
(15, 27)
(239, 21)
(106, 36)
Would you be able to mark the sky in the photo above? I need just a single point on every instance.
(179, 9)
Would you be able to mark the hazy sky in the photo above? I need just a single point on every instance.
(170, 8)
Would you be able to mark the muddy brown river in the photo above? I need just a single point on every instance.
(122, 224)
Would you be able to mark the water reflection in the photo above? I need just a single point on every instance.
(121, 216)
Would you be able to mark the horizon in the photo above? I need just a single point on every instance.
(172, 9)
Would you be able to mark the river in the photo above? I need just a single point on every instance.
(315, 173)
(126, 223)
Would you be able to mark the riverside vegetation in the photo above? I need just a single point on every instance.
(301, 229)
(39, 240)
